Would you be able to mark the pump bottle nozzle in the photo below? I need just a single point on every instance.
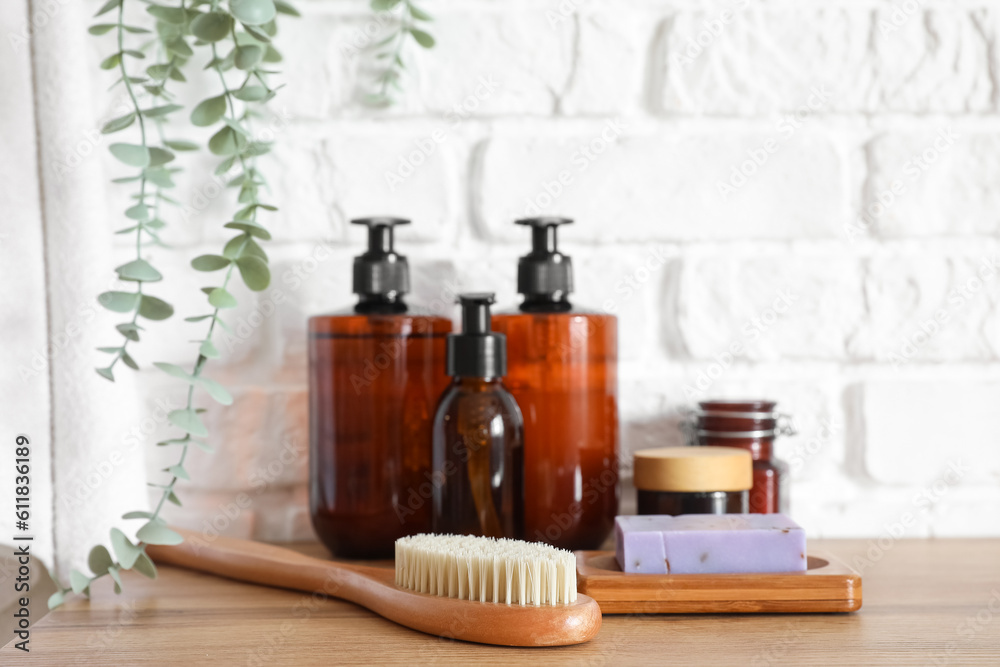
(478, 351)
(545, 275)
(381, 275)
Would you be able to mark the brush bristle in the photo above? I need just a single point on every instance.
(486, 569)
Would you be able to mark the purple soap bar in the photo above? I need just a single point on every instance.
(709, 544)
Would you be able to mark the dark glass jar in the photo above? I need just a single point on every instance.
(751, 425)
(692, 480)
(699, 502)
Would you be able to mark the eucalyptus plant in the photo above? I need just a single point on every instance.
(389, 51)
(236, 37)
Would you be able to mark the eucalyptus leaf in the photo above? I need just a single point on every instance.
(137, 212)
(144, 566)
(78, 581)
(250, 93)
(157, 112)
(188, 421)
(209, 112)
(129, 361)
(160, 178)
(253, 249)
(253, 12)
(225, 166)
(248, 57)
(106, 373)
(208, 350)
(139, 270)
(216, 391)
(131, 154)
(173, 15)
(209, 262)
(129, 330)
(254, 272)
(181, 145)
(153, 308)
(115, 573)
(423, 39)
(119, 302)
(235, 125)
(159, 71)
(212, 26)
(271, 55)
(157, 533)
(125, 551)
(178, 471)
(99, 560)
(118, 124)
(175, 371)
(111, 61)
(257, 34)
(251, 228)
(158, 156)
(108, 6)
(56, 599)
(220, 298)
(227, 141)
(234, 247)
(383, 5)
(172, 497)
(179, 47)
(137, 515)
(419, 14)
(285, 8)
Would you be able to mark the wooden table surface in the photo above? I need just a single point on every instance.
(926, 602)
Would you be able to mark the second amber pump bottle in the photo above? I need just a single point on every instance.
(563, 374)
(478, 441)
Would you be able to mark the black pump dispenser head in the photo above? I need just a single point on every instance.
(545, 275)
(477, 351)
(381, 274)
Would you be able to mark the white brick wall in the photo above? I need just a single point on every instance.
(876, 209)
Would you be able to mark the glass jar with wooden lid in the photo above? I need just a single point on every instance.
(693, 480)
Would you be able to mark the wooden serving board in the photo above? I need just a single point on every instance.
(827, 585)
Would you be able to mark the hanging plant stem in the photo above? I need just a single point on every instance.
(251, 47)
(390, 49)
(144, 157)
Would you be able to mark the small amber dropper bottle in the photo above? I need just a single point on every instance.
(478, 440)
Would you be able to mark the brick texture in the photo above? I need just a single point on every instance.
(814, 183)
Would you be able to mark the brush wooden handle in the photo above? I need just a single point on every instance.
(375, 589)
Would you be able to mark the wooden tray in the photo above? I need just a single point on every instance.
(827, 585)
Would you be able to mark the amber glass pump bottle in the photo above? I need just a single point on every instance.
(375, 374)
(478, 435)
(564, 375)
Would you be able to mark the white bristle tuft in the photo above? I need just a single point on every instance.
(485, 569)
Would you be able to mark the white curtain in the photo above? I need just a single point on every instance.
(55, 231)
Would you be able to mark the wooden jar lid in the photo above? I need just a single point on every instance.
(693, 469)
